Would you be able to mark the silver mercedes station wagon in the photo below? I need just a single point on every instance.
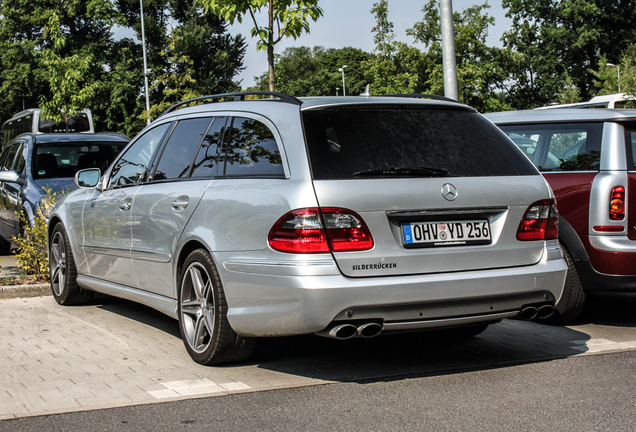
(340, 216)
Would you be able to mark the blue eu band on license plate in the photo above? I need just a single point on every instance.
(453, 233)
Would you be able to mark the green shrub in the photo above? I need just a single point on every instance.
(32, 242)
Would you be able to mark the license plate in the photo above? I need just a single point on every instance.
(438, 234)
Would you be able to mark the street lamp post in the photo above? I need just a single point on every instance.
(344, 89)
(143, 48)
(618, 71)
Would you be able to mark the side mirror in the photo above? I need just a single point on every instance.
(11, 177)
(87, 178)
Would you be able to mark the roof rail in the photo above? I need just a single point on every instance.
(424, 96)
(238, 96)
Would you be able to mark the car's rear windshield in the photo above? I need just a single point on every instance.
(77, 123)
(379, 141)
(66, 158)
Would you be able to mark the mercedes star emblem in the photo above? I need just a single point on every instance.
(449, 192)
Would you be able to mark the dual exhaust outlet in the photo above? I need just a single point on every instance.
(528, 313)
(345, 331)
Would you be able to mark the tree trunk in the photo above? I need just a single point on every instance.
(270, 47)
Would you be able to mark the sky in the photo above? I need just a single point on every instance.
(348, 23)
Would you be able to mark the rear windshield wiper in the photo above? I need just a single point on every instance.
(403, 172)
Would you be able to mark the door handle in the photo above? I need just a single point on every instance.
(125, 205)
(180, 203)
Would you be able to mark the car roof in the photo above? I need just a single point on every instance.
(78, 137)
(561, 115)
(328, 101)
(303, 103)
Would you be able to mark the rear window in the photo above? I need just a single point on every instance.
(630, 139)
(77, 123)
(64, 159)
(560, 147)
(407, 141)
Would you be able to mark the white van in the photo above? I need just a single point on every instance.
(616, 100)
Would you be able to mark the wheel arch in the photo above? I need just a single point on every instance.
(569, 239)
(189, 247)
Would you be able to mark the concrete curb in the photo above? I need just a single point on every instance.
(24, 291)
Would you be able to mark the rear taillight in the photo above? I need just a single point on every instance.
(617, 203)
(314, 230)
(540, 222)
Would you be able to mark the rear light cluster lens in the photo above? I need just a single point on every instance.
(540, 222)
(617, 203)
(314, 230)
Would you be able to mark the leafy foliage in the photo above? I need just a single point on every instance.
(483, 72)
(304, 71)
(555, 39)
(286, 18)
(65, 75)
(32, 253)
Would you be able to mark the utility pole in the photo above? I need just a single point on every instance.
(143, 48)
(448, 49)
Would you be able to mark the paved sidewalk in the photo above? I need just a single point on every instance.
(112, 352)
(9, 269)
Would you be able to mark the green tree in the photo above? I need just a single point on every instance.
(392, 69)
(303, 71)
(606, 77)
(66, 75)
(482, 71)
(561, 38)
(85, 25)
(286, 18)
(570, 93)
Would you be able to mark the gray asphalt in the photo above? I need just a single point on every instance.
(588, 393)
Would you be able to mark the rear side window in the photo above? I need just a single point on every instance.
(630, 140)
(250, 150)
(407, 141)
(178, 154)
(560, 147)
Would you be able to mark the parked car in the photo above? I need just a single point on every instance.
(31, 163)
(588, 157)
(340, 216)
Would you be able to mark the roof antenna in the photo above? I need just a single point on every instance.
(366, 92)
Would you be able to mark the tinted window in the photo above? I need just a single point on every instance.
(77, 123)
(392, 140)
(178, 154)
(3, 158)
(251, 150)
(134, 164)
(20, 160)
(7, 163)
(205, 164)
(560, 147)
(64, 159)
(630, 140)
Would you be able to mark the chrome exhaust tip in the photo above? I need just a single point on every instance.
(340, 332)
(369, 330)
(545, 311)
(527, 313)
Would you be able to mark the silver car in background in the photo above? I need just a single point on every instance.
(345, 217)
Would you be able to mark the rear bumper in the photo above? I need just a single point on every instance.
(276, 299)
(611, 258)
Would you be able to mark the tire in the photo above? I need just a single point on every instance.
(202, 312)
(572, 300)
(63, 272)
(5, 247)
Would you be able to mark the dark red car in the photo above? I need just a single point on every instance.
(588, 157)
